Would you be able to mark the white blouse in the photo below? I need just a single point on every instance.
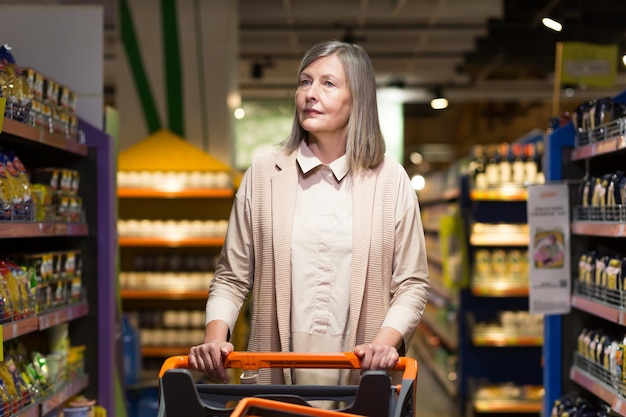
(321, 257)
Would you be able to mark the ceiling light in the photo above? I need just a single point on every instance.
(418, 182)
(416, 158)
(552, 24)
(439, 103)
(624, 59)
(239, 113)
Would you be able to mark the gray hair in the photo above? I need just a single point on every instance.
(365, 145)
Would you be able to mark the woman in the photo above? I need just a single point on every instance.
(325, 232)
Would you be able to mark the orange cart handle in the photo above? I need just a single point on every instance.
(251, 405)
(257, 360)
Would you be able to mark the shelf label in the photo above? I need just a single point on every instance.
(548, 249)
(3, 103)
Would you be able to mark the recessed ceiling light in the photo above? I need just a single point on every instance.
(439, 103)
(552, 24)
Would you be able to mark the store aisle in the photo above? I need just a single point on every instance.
(432, 400)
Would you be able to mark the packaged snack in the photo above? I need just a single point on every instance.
(499, 262)
(42, 202)
(10, 198)
(13, 291)
(19, 179)
(603, 111)
(590, 267)
(14, 87)
(26, 298)
(614, 196)
(516, 264)
(482, 262)
(598, 198)
(615, 364)
(613, 274)
(600, 269)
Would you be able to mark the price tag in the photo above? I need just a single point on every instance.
(3, 103)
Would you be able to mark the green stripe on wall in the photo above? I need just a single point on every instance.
(173, 77)
(129, 40)
(204, 120)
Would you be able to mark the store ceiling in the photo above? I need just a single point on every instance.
(471, 49)
(492, 58)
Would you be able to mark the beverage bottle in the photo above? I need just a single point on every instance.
(530, 164)
(518, 167)
(478, 167)
(492, 170)
(505, 163)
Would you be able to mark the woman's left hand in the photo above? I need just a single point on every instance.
(376, 356)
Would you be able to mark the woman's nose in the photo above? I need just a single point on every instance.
(312, 91)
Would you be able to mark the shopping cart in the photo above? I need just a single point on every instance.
(374, 396)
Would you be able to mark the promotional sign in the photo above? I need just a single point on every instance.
(548, 249)
(589, 64)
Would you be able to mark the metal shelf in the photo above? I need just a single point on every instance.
(43, 321)
(602, 140)
(186, 193)
(447, 332)
(484, 234)
(601, 302)
(166, 242)
(33, 134)
(597, 380)
(427, 360)
(507, 192)
(499, 286)
(164, 294)
(10, 230)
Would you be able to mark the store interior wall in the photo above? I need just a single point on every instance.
(208, 54)
(65, 43)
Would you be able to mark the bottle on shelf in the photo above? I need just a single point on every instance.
(530, 164)
(492, 169)
(518, 167)
(505, 163)
(477, 168)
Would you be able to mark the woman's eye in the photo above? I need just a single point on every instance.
(329, 83)
(305, 82)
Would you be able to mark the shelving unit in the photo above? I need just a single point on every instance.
(174, 201)
(592, 306)
(91, 320)
(499, 359)
(436, 343)
(176, 294)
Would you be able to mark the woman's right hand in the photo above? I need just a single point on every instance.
(209, 358)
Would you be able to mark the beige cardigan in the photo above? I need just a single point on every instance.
(274, 183)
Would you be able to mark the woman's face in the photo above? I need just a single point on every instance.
(323, 99)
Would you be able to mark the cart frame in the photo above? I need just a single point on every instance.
(375, 396)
